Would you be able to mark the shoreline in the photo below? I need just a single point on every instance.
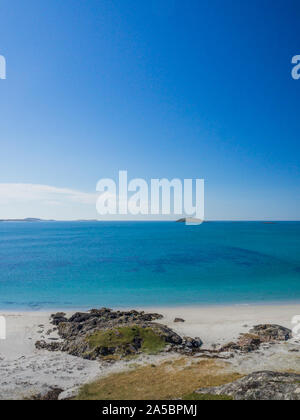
(215, 325)
(24, 370)
(150, 307)
(212, 322)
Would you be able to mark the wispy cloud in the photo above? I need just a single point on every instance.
(42, 193)
(24, 200)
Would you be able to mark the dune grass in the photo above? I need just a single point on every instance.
(172, 379)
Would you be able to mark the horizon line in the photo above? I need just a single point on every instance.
(36, 219)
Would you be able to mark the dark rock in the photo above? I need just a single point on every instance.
(58, 315)
(189, 346)
(179, 320)
(271, 333)
(258, 335)
(197, 342)
(81, 317)
(58, 318)
(260, 386)
(245, 344)
(42, 345)
(51, 395)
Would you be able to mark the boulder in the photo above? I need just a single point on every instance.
(258, 335)
(245, 344)
(260, 386)
(58, 318)
(43, 345)
(195, 343)
(269, 333)
(51, 395)
(68, 394)
(179, 320)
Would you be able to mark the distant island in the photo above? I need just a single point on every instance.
(190, 221)
(29, 219)
(35, 220)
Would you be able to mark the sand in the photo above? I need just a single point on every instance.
(221, 324)
(25, 371)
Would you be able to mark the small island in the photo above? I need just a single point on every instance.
(28, 219)
(190, 221)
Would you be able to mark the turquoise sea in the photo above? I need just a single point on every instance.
(52, 265)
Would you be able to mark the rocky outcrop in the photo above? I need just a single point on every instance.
(245, 344)
(260, 386)
(102, 332)
(258, 335)
(269, 333)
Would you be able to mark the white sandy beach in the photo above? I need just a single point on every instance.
(221, 324)
(25, 370)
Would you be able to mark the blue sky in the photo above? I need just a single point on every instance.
(197, 89)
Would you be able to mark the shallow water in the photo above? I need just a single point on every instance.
(89, 264)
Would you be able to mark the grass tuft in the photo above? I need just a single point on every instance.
(151, 343)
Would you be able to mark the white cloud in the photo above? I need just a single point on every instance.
(34, 200)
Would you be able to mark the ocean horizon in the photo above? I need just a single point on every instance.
(67, 265)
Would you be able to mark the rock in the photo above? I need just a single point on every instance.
(258, 335)
(260, 386)
(78, 332)
(68, 394)
(81, 317)
(191, 343)
(179, 320)
(197, 342)
(58, 318)
(245, 344)
(51, 395)
(58, 315)
(42, 345)
(271, 333)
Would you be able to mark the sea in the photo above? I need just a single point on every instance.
(84, 265)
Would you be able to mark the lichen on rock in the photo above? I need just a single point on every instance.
(260, 386)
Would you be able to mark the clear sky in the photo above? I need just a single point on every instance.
(195, 89)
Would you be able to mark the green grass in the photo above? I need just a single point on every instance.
(206, 397)
(151, 343)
